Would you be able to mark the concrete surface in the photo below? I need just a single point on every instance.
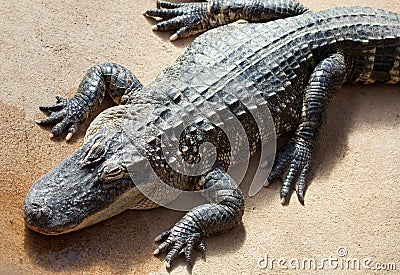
(352, 202)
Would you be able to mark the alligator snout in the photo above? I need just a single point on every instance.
(36, 214)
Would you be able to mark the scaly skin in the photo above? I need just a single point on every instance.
(69, 113)
(291, 66)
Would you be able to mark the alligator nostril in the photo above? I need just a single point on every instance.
(36, 213)
(43, 213)
(35, 205)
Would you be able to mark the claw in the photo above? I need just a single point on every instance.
(300, 197)
(173, 23)
(173, 37)
(301, 183)
(185, 32)
(164, 246)
(201, 246)
(163, 236)
(60, 127)
(65, 115)
(174, 252)
(292, 165)
(71, 131)
(69, 136)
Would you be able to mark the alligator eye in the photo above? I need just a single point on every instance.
(95, 154)
(112, 171)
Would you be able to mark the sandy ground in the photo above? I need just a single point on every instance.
(352, 202)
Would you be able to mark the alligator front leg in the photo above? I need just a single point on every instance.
(224, 211)
(192, 18)
(294, 160)
(67, 114)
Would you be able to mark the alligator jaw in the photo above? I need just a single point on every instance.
(46, 231)
(124, 202)
(43, 222)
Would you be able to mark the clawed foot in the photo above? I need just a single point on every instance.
(64, 117)
(292, 165)
(186, 18)
(178, 241)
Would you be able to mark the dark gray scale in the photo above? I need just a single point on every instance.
(94, 88)
(190, 140)
(162, 168)
(176, 121)
(167, 128)
(369, 46)
(118, 80)
(210, 102)
(203, 130)
(387, 59)
(275, 79)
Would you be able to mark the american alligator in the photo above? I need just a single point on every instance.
(288, 59)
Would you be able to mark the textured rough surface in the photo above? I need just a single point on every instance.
(271, 219)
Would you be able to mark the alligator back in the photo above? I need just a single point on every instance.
(278, 57)
(231, 70)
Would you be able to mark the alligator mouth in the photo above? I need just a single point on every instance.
(111, 210)
(47, 231)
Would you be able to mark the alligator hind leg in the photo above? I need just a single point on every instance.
(67, 114)
(294, 160)
(224, 211)
(192, 18)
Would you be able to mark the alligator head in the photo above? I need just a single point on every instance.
(89, 186)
